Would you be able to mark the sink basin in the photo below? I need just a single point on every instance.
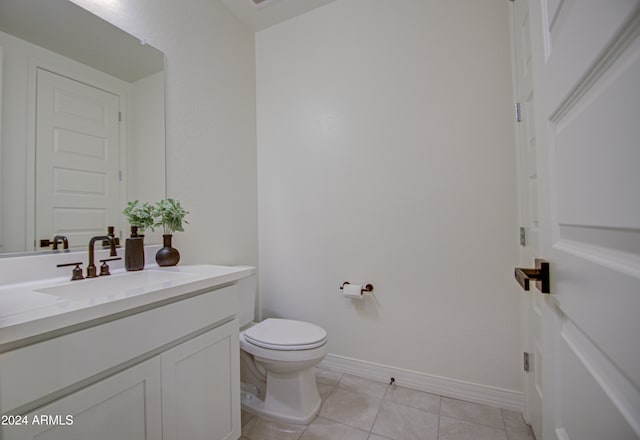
(126, 284)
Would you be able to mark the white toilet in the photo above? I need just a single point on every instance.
(277, 360)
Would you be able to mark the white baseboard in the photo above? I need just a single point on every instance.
(457, 389)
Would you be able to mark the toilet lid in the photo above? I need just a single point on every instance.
(286, 334)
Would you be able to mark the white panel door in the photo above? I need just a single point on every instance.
(77, 159)
(526, 144)
(586, 56)
(125, 406)
(201, 387)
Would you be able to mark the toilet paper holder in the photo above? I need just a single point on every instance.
(366, 288)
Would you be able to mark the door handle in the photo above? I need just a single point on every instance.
(540, 275)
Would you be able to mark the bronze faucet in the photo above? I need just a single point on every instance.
(91, 268)
(63, 239)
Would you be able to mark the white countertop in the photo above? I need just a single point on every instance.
(27, 311)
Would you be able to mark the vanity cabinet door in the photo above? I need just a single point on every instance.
(201, 387)
(126, 405)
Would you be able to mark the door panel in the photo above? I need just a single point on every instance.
(77, 159)
(604, 420)
(586, 57)
(595, 215)
(583, 29)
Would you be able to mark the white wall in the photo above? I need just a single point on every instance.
(13, 145)
(146, 149)
(385, 156)
(210, 104)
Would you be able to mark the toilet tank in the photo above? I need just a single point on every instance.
(248, 290)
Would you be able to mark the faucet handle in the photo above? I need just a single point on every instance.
(76, 274)
(104, 267)
(111, 233)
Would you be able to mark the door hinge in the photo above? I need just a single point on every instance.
(523, 236)
(518, 112)
(525, 361)
(119, 116)
(120, 175)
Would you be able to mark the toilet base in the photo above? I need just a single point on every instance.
(290, 398)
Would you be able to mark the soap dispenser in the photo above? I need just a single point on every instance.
(134, 251)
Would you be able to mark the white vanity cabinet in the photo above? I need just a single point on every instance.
(167, 371)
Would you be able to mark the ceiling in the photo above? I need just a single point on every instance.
(270, 12)
(70, 30)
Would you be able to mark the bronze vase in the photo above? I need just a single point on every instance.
(168, 255)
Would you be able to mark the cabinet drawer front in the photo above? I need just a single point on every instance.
(38, 370)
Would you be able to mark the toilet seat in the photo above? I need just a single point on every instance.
(286, 334)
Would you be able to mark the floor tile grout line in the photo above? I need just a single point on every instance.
(504, 422)
(439, 416)
(378, 412)
(307, 426)
(419, 408)
(504, 427)
(337, 421)
(352, 390)
(474, 423)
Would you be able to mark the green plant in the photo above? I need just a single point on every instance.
(171, 215)
(140, 215)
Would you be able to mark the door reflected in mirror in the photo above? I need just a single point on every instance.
(81, 125)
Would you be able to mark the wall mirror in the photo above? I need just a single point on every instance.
(81, 125)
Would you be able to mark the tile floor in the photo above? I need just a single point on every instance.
(354, 408)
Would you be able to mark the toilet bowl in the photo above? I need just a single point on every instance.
(277, 361)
